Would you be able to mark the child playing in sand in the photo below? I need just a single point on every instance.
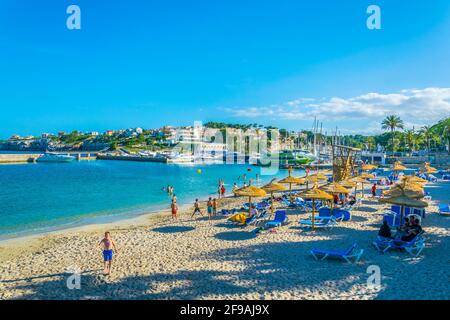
(108, 245)
(196, 209)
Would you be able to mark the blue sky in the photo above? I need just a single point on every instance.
(150, 63)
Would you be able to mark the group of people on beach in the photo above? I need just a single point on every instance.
(406, 232)
(221, 189)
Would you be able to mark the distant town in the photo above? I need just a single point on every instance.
(211, 137)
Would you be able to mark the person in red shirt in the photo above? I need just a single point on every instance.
(222, 190)
(374, 190)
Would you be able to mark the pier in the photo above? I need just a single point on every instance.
(18, 158)
(32, 157)
(130, 158)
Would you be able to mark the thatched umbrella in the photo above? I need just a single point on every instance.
(271, 188)
(347, 184)
(366, 175)
(335, 188)
(414, 179)
(426, 168)
(315, 178)
(368, 167)
(250, 192)
(291, 180)
(362, 181)
(404, 201)
(398, 166)
(315, 194)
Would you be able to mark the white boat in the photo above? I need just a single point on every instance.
(180, 158)
(51, 157)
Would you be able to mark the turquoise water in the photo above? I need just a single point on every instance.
(45, 196)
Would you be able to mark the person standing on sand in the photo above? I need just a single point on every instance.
(174, 208)
(214, 207)
(222, 191)
(374, 190)
(209, 206)
(196, 209)
(108, 245)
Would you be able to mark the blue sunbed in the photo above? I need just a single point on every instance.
(444, 209)
(413, 247)
(280, 219)
(352, 253)
(319, 222)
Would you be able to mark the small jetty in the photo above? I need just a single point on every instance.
(131, 158)
(19, 158)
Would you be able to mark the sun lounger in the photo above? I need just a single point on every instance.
(444, 209)
(353, 253)
(413, 247)
(382, 244)
(319, 222)
(257, 220)
(280, 219)
(392, 218)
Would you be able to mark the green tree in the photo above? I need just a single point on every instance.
(428, 136)
(392, 123)
(370, 143)
(410, 139)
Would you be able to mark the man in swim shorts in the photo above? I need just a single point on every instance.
(108, 245)
(196, 208)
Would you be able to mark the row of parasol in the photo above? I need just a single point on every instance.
(405, 194)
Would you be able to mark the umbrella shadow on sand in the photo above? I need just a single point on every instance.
(235, 235)
(265, 270)
(173, 229)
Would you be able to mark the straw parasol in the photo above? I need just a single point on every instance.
(366, 175)
(404, 201)
(347, 184)
(426, 168)
(362, 181)
(250, 192)
(414, 179)
(368, 167)
(315, 178)
(291, 180)
(335, 188)
(396, 192)
(398, 166)
(315, 194)
(271, 188)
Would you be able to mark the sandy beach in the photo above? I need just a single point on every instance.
(199, 259)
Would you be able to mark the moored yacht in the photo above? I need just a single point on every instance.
(52, 157)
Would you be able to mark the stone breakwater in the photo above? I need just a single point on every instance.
(17, 158)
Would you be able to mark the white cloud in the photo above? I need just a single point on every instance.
(415, 106)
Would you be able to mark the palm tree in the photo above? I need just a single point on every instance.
(410, 138)
(370, 143)
(428, 135)
(392, 123)
(446, 137)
